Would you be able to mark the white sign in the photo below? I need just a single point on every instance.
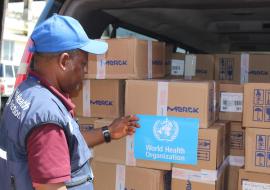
(231, 102)
(177, 67)
(248, 185)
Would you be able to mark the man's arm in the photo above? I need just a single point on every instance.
(119, 128)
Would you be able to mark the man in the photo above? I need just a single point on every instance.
(41, 146)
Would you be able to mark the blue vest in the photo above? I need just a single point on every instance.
(30, 106)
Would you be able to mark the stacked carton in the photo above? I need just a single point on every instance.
(100, 100)
(256, 121)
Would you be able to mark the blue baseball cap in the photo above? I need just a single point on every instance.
(62, 33)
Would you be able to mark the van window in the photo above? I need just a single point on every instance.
(1, 70)
(16, 68)
(9, 72)
(122, 32)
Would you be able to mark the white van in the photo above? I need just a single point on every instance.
(7, 80)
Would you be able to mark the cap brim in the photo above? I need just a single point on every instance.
(95, 47)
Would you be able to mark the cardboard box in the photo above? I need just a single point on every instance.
(86, 124)
(174, 98)
(237, 139)
(231, 102)
(256, 105)
(252, 180)
(116, 177)
(128, 58)
(121, 152)
(99, 98)
(257, 155)
(228, 68)
(210, 149)
(259, 68)
(198, 180)
(168, 57)
(226, 126)
(231, 178)
(205, 67)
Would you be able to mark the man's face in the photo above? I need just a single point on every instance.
(76, 69)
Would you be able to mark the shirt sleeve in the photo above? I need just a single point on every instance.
(48, 155)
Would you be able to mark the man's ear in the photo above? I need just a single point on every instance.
(63, 61)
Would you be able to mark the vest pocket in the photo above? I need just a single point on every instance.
(79, 182)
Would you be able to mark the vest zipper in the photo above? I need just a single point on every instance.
(13, 184)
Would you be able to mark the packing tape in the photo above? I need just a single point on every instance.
(150, 59)
(101, 67)
(86, 98)
(190, 66)
(130, 158)
(120, 177)
(244, 67)
(249, 185)
(162, 98)
(202, 176)
(236, 160)
(22, 69)
(195, 176)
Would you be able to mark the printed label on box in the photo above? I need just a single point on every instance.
(249, 185)
(169, 139)
(204, 149)
(262, 154)
(231, 102)
(226, 68)
(237, 140)
(177, 67)
(261, 105)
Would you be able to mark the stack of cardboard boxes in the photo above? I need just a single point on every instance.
(115, 85)
(256, 119)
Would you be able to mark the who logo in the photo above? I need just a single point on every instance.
(165, 130)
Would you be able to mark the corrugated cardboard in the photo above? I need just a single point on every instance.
(116, 177)
(252, 180)
(99, 98)
(128, 58)
(256, 105)
(237, 139)
(184, 99)
(117, 151)
(226, 126)
(259, 68)
(198, 180)
(228, 68)
(232, 177)
(168, 58)
(231, 102)
(210, 149)
(205, 67)
(86, 125)
(257, 155)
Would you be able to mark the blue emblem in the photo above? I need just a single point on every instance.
(165, 130)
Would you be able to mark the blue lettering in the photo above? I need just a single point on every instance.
(116, 62)
(257, 72)
(183, 109)
(201, 71)
(157, 62)
(101, 102)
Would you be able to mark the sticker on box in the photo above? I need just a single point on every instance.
(231, 102)
(249, 185)
(177, 68)
(168, 139)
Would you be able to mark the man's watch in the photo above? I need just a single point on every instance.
(106, 134)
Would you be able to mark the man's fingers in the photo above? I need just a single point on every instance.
(134, 124)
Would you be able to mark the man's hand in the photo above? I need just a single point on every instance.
(123, 126)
